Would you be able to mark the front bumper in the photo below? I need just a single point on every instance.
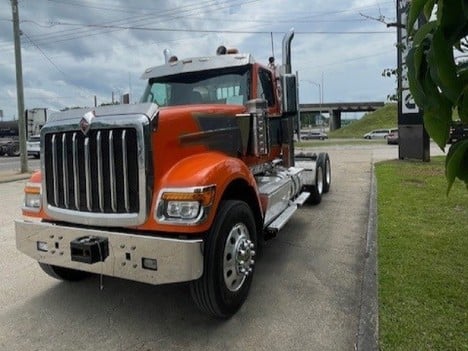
(177, 260)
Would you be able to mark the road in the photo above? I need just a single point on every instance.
(305, 295)
(9, 164)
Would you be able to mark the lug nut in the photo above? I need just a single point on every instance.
(252, 253)
(252, 245)
(241, 263)
(252, 262)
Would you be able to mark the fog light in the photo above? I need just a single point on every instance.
(42, 246)
(149, 263)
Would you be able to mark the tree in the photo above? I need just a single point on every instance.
(438, 80)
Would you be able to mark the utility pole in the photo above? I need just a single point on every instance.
(19, 88)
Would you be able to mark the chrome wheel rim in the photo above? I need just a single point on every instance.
(319, 180)
(327, 172)
(238, 257)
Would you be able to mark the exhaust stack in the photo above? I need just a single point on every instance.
(167, 55)
(288, 37)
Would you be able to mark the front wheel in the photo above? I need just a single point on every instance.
(228, 261)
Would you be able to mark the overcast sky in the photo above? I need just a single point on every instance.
(73, 50)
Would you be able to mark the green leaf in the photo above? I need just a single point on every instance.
(452, 20)
(462, 72)
(456, 163)
(416, 69)
(465, 9)
(437, 112)
(437, 123)
(423, 32)
(428, 7)
(442, 67)
(415, 9)
(462, 106)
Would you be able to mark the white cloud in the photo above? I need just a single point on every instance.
(75, 63)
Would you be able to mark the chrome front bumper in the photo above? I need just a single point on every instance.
(177, 260)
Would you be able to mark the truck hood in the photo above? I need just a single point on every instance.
(148, 109)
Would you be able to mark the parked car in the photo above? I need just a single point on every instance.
(377, 134)
(392, 137)
(33, 146)
(458, 131)
(314, 135)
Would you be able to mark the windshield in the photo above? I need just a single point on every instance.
(222, 86)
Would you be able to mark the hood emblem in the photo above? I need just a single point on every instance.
(85, 123)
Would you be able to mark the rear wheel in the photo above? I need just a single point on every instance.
(228, 261)
(14, 151)
(62, 273)
(316, 190)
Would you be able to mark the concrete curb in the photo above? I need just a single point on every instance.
(12, 177)
(368, 332)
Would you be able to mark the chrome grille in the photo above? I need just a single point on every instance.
(97, 173)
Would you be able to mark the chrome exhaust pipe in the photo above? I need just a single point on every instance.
(288, 37)
(167, 55)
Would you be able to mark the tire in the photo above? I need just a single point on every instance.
(14, 151)
(61, 273)
(228, 261)
(327, 174)
(316, 190)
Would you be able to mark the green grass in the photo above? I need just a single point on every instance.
(339, 141)
(385, 117)
(422, 258)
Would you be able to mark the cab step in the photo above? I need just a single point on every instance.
(302, 198)
(282, 219)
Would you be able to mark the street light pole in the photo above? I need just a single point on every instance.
(19, 88)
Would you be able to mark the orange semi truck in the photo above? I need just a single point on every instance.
(184, 186)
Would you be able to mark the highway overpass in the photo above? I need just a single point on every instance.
(336, 108)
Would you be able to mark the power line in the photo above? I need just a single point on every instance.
(71, 34)
(44, 54)
(156, 29)
(83, 91)
(171, 14)
(186, 9)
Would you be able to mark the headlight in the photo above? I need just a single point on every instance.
(183, 209)
(32, 197)
(184, 205)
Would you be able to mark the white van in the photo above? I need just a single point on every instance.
(377, 134)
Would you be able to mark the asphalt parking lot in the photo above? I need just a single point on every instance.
(306, 294)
